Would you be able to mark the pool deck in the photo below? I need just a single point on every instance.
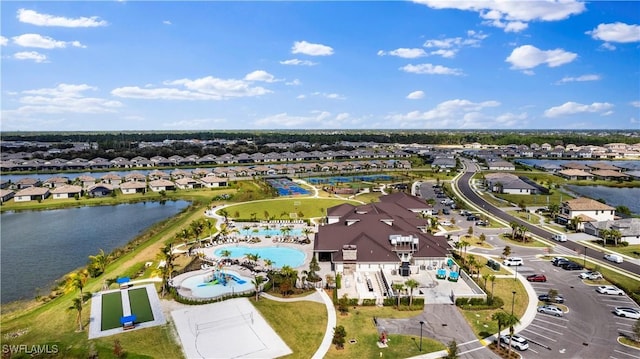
(95, 318)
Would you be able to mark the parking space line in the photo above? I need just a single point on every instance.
(552, 323)
(619, 301)
(631, 355)
(547, 329)
(624, 330)
(538, 334)
(630, 324)
(626, 319)
(533, 350)
(548, 316)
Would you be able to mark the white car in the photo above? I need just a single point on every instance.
(626, 312)
(591, 275)
(610, 290)
(613, 258)
(550, 309)
(517, 341)
(513, 261)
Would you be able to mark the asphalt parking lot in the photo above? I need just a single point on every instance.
(588, 329)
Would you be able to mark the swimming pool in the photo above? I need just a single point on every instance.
(280, 256)
(201, 287)
(268, 232)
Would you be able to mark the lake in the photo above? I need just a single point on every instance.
(39, 247)
(613, 196)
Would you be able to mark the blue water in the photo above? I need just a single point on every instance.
(346, 179)
(271, 232)
(280, 256)
(239, 284)
(39, 247)
(613, 196)
(626, 164)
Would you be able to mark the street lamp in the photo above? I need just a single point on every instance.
(421, 324)
(513, 301)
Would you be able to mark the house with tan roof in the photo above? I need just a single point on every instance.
(52, 182)
(6, 194)
(31, 194)
(187, 183)
(161, 185)
(573, 174)
(586, 209)
(133, 187)
(86, 181)
(112, 179)
(609, 175)
(214, 182)
(66, 191)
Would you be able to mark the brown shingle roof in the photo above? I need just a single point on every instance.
(587, 204)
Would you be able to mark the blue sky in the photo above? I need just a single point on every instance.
(428, 64)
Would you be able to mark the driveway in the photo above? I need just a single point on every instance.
(442, 322)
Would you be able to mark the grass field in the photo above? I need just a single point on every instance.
(300, 324)
(111, 310)
(140, 306)
(282, 208)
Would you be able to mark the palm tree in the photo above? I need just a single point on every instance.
(225, 253)
(196, 228)
(514, 230)
(268, 263)
(76, 304)
(523, 233)
(411, 285)
(257, 282)
(397, 287)
(615, 235)
(492, 279)
(604, 233)
(285, 230)
(464, 245)
(506, 251)
(554, 209)
(99, 261)
(511, 321)
(77, 280)
(486, 278)
(307, 231)
(501, 318)
(471, 260)
(209, 226)
(224, 213)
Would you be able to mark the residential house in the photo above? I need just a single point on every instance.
(586, 209)
(214, 182)
(508, 183)
(187, 183)
(27, 182)
(100, 190)
(52, 182)
(500, 165)
(86, 181)
(6, 194)
(66, 191)
(31, 194)
(161, 185)
(629, 228)
(572, 174)
(112, 179)
(133, 187)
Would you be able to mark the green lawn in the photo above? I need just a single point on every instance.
(300, 324)
(630, 250)
(281, 208)
(532, 243)
(359, 326)
(111, 310)
(140, 306)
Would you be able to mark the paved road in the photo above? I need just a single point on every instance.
(464, 187)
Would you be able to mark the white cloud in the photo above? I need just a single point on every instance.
(34, 18)
(167, 22)
(332, 96)
(30, 55)
(616, 32)
(431, 69)
(205, 88)
(404, 53)
(301, 97)
(416, 95)
(260, 75)
(449, 114)
(295, 82)
(307, 48)
(635, 103)
(64, 98)
(449, 47)
(608, 46)
(512, 16)
(43, 42)
(3, 41)
(297, 62)
(571, 108)
(528, 57)
(582, 78)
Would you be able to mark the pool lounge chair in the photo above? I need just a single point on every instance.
(441, 273)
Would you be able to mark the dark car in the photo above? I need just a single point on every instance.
(482, 223)
(537, 278)
(561, 262)
(472, 218)
(446, 211)
(571, 266)
(548, 299)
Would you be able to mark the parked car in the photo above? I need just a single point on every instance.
(513, 261)
(559, 261)
(517, 341)
(446, 211)
(610, 290)
(591, 275)
(626, 312)
(464, 212)
(537, 278)
(546, 298)
(472, 218)
(550, 309)
(613, 258)
(571, 266)
(482, 223)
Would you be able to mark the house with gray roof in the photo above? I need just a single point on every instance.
(629, 228)
(508, 183)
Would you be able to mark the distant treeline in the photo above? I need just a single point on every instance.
(120, 140)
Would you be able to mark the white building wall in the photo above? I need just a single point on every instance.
(597, 215)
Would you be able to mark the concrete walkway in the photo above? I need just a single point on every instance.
(322, 297)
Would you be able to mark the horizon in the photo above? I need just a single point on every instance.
(426, 65)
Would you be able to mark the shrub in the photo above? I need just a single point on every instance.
(368, 302)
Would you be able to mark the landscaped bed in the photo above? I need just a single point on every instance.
(111, 310)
